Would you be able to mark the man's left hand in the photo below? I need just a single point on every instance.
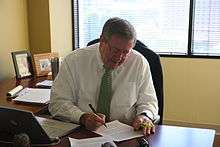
(144, 123)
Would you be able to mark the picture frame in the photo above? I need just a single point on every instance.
(22, 61)
(42, 63)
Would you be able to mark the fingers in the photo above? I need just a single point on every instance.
(137, 124)
(143, 123)
(101, 115)
(92, 121)
(148, 128)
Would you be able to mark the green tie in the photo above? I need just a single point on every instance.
(105, 94)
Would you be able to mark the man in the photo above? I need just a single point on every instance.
(132, 98)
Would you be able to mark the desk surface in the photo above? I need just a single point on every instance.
(7, 85)
(165, 136)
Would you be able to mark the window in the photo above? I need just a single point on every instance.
(207, 27)
(165, 26)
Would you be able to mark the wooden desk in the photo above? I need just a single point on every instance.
(165, 136)
(7, 85)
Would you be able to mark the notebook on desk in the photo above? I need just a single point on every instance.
(33, 95)
(29, 95)
(40, 130)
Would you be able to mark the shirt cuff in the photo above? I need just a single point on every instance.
(76, 116)
(148, 114)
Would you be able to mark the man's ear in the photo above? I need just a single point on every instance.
(102, 39)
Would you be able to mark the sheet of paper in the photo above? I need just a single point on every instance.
(33, 95)
(55, 128)
(118, 131)
(45, 83)
(90, 142)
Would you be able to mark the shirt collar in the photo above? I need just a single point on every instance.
(100, 63)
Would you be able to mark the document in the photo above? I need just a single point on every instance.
(91, 142)
(45, 83)
(55, 128)
(118, 131)
(33, 95)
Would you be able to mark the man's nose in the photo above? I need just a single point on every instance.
(118, 56)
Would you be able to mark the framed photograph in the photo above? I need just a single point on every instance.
(42, 63)
(22, 63)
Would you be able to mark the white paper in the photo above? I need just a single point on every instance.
(33, 95)
(90, 142)
(118, 131)
(55, 128)
(45, 83)
(14, 91)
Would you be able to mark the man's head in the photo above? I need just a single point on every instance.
(116, 41)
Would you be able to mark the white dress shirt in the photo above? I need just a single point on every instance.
(78, 82)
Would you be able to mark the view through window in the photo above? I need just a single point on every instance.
(207, 27)
(163, 25)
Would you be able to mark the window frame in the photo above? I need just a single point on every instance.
(189, 54)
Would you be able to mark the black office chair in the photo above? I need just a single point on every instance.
(156, 71)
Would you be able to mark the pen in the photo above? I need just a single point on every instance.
(93, 110)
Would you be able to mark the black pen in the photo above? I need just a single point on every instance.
(93, 110)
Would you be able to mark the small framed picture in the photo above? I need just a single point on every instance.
(22, 63)
(42, 63)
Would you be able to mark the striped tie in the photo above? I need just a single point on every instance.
(105, 94)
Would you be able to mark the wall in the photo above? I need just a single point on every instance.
(13, 33)
(192, 91)
(61, 26)
(39, 26)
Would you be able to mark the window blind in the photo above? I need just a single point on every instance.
(161, 24)
(207, 27)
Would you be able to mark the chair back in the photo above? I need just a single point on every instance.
(156, 71)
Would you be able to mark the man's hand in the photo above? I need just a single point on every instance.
(144, 123)
(92, 121)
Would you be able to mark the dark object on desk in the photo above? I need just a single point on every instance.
(54, 67)
(156, 71)
(21, 140)
(108, 144)
(15, 121)
(143, 142)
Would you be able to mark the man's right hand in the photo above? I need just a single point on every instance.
(92, 121)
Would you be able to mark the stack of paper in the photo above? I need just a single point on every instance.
(118, 131)
(33, 95)
(91, 142)
(45, 83)
(115, 131)
(55, 128)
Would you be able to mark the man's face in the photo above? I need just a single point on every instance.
(115, 51)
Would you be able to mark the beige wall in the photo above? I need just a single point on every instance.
(13, 33)
(192, 90)
(61, 26)
(25, 24)
(39, 26)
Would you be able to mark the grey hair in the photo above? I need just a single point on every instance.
(118, 26)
